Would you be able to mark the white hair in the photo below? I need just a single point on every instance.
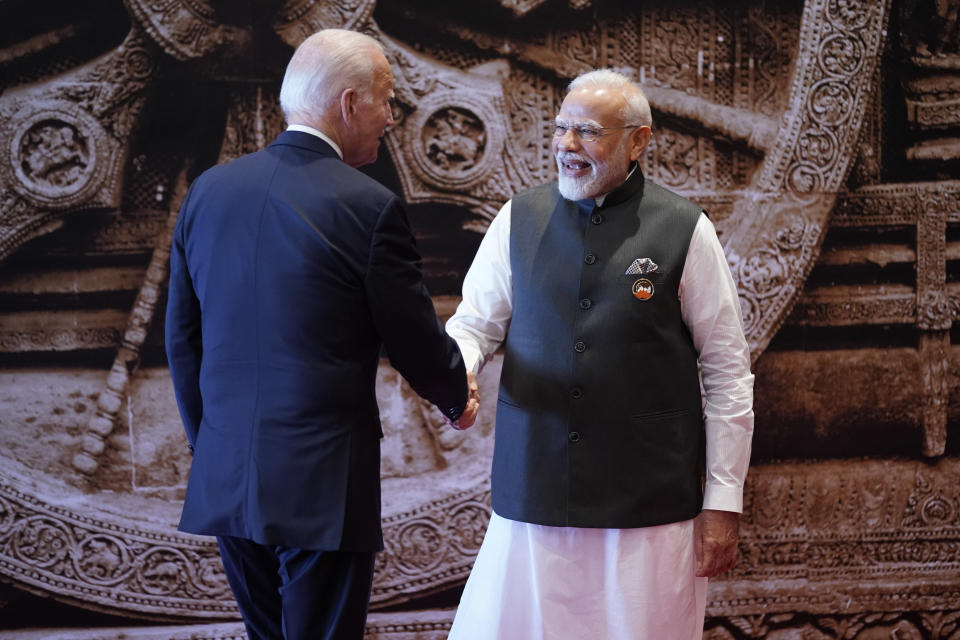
(322, 68)
(637, 109)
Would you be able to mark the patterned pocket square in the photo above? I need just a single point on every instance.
(641, 266)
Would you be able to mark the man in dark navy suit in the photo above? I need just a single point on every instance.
(289, 269)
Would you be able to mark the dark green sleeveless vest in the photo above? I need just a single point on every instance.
(599, 415)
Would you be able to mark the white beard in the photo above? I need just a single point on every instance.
(577, 188)
(592, 185)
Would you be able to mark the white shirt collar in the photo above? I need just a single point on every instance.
(320, 134)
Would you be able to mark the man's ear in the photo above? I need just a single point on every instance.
(348, 105)
(639, 141)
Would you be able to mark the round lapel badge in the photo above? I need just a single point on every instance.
(642, 289)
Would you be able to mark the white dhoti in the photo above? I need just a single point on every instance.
(534, 582)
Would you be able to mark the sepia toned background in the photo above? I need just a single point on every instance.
(822, 136)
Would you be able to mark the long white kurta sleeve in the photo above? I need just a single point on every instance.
(711, 310)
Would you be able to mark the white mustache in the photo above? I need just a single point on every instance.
(569, 156)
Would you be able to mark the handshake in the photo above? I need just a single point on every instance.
(469, 415)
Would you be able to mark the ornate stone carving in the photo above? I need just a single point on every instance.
(934, 115)
(823, 538)
(297, 19)
(841, 55)
(756, 130)
(451, 143)
(878, 308)
(933, 310)
(803, 527)
(254, 119)
(127, 358)
(65, 150)
(58, 153)
(405, 625)
(108, 565)
(897, 204)
(184, 29)
(119, 564)
(676, 158)
(801, 521)
(940, 625)
(934, 348)
(442, 544)
(12, 341)
(454, 140)
(808, 164)
(453, 146)
(774, 40)
(929, 506)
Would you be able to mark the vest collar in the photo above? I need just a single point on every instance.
(629, 189)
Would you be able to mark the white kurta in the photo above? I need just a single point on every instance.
(533, 581)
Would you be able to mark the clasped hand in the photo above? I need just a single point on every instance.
(469, 415)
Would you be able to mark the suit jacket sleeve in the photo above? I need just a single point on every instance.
(405, 318)
(183, 337)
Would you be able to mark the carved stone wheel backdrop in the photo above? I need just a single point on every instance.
(456, 141)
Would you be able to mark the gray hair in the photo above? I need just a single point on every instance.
(637, 109)
(322, 68)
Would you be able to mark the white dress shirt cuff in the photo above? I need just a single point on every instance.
(472, 358)
(723, 498)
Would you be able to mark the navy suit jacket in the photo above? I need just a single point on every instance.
(288, 271)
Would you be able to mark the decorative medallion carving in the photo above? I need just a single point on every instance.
(841, 55)
(453, 144)
(450, 142)
(454, 140)
(929, 506)
(57, 152)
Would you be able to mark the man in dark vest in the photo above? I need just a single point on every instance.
(288, 272)
(612, 299)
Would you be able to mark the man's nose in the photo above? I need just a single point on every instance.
(568, 141)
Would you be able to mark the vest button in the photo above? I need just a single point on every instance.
(576, 393)
(590, 258)
(574, 436)
(596, 218)
(580, 346)
(586, 303)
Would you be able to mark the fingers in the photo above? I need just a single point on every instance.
(716, 559)
(715, 542)
(469, 415)
(472, 386)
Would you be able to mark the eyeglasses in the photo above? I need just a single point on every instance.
(586, 132)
